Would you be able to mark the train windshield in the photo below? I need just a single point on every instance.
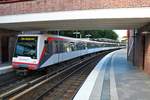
(26, 46)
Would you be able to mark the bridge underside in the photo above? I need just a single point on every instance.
(89, 24)
(129, 18)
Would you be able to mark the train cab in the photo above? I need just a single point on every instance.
(25, 53)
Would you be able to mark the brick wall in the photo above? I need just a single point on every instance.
(147, 54)
(135, 48)
(147, 49)
(140, 52)
(36, 6)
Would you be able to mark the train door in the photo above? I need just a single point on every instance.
(55, 50)
(55, 46)
(4, 46)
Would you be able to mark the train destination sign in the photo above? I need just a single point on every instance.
(27, 38)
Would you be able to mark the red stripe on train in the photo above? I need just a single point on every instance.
(54, 38)
(42, 55)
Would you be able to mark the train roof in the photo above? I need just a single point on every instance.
(70, 38)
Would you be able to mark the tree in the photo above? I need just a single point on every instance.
(94, 34)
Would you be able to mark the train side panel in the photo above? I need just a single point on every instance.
(69, 55)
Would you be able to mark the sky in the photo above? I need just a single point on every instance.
(120, 33)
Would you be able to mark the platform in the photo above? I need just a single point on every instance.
(114, 78)
(4, 68)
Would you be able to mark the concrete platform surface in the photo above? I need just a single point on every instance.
(4, 68)
(114, 78)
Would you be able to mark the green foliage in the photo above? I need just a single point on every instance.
(94, 34)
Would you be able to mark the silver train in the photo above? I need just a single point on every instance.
(37, 51)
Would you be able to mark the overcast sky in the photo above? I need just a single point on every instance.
(121, 33)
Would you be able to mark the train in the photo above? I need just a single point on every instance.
(37, 51)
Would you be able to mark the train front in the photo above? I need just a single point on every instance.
(25, 54)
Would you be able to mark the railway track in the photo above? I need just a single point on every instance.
(69, 86)
(11, 80)
(39, 87)
(5, 78)
(15, 81)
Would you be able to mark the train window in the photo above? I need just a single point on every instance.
(90, 45)
(61, 48)
(56, 46)
(72, 46)
(103, 45)
(66, 47)
(26, 46)
(86, 47)
(81, 46)
(45, 42)
(77, 46)
(48, 47)
(100, 45)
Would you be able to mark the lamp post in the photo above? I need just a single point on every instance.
(76, 33)
(88, 35)
(58, 32)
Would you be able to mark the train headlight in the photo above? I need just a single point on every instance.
(34, 62)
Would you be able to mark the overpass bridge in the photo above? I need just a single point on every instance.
(134, 15)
